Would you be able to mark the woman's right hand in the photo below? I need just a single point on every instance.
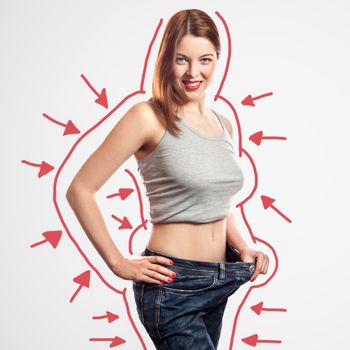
(146, 268)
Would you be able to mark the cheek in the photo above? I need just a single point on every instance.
(209, 71)
(179, 72)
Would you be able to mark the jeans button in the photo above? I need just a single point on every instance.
(251, 268)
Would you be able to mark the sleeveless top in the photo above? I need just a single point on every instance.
(191, 178)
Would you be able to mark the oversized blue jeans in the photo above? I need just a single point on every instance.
(187, 313)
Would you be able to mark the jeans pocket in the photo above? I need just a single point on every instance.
(190, 280)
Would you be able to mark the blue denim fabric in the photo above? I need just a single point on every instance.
(187, 313)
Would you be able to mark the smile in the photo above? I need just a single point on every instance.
(192, 85)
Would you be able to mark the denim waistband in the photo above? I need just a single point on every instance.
(204, 265)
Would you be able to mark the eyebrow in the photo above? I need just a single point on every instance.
(207, 54)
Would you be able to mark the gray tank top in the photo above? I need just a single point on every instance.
(191, 178)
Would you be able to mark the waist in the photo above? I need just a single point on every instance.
(231, 263)
(205, 242)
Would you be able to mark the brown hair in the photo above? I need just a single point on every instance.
(166, 94)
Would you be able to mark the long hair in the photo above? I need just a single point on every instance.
(167, 95)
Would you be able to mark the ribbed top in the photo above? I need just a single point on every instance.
(191, 178)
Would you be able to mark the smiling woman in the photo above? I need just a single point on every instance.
(186, 158)
(188, 54)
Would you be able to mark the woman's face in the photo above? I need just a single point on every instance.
(195, 60)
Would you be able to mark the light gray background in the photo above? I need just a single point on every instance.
(299, 50)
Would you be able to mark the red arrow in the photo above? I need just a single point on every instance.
(115, 341)
(69, 129)
(125, 222)
(101, 97)
(267, 203)
(53, 237)
(258, 136)
(83, 280)
(44, 167)
(123, 193)
(109, 315)
(257, 308)
(253, 340)
(249, 100)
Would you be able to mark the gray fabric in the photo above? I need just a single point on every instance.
(192, 178)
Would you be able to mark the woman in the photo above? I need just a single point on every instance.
(195, 258)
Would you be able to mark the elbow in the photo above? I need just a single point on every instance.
(70, 193)
(75, 191)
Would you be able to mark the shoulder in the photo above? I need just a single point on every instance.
(146, 118)
(142, 110)
(228, 125)
(145, 115)
(137, 124)
(148, 111)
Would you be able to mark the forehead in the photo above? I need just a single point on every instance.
(190, 45)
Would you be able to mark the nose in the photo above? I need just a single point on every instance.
(193, 70)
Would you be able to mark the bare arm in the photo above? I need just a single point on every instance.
(132, 131)
(128, 135)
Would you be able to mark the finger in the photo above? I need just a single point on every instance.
(258, 267)
(162, 270)
(265, 264)
(155, 262)
(159, 276)
(255, 275)
(157, 271)
(151, 280)
(263, 268)
(151, 276)
(160, 260)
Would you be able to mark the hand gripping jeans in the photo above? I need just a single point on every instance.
(187, 313)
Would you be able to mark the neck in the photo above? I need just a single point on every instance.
(195, 108)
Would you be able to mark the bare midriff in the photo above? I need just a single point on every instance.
(205, 241)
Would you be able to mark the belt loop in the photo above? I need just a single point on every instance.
(222, 271)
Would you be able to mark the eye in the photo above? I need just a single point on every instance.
(180, 59)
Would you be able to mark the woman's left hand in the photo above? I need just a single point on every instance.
(260, 259)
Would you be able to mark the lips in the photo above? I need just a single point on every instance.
(192, 84)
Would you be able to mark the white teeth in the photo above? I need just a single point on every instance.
(192, 84)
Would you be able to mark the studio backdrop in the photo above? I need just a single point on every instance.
(70, 71)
